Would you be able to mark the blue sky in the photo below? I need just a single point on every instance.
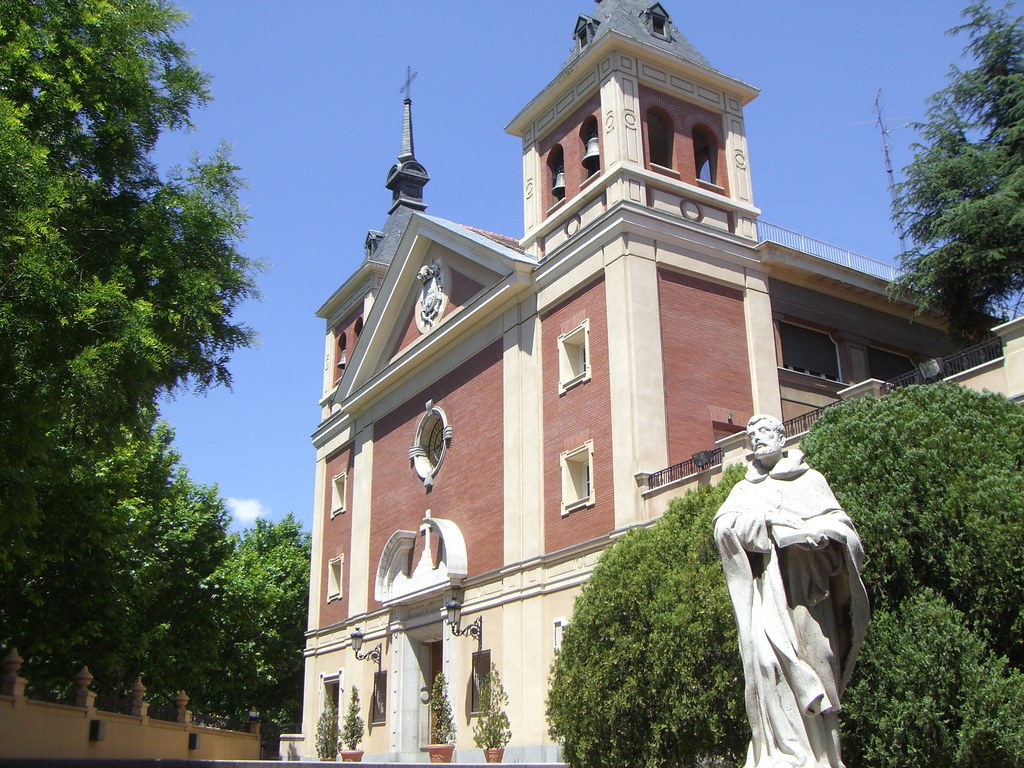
(307, 94)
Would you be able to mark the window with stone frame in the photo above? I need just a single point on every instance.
(577, 478)
(339, 492)
(574, 357)
(334, 577)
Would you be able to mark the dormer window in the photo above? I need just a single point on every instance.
(373, 238)
(657, 21)
(584, 33)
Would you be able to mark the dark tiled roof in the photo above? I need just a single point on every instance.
(625, 17)
(393, 229)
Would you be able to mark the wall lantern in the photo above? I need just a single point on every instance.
(474, 630)
(357, 644)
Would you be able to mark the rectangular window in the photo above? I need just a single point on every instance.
(339, 492)
(481, 666)
(334, 568)
(559, 626)
(886, 365)
(577, 486)
(574, 357)
(379, 700)
(808, 351)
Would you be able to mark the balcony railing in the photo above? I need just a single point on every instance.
(713, 458)
(773, 233)
(943, 367)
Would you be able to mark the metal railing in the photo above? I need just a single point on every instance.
(221, 723)
(697, 463)
(943, 367)
(113, 704)
(773, 233)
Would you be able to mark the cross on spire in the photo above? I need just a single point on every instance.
(409, 77)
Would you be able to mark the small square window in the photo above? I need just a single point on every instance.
(334, 568)
(559, 627)
(577, 483)
(339, 492)
(574, 357)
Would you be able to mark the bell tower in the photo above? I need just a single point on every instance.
(637, 117)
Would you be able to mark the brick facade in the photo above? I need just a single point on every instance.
(337, 535)
(570, 419)
(468, 488)
(707, 375)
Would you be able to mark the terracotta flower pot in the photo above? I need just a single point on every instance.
(441, 753)
(494, 755)
(351, 755)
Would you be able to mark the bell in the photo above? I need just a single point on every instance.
(593, 149)
(559, 181)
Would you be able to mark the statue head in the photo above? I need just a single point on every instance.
(767, 436)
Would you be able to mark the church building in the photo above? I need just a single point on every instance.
(496, 411)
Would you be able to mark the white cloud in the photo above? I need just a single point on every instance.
(247, 510)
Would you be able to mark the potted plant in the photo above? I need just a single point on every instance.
(442, 723)
(492, 730)
(327, 734)
(352, 730)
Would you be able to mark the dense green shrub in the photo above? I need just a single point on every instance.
(931, 475)
(928, 692)
(649, 671)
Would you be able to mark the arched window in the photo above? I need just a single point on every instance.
(342, 343)
(359, 326)
(705, 155)
(556, 169)
(591, 146)
(659, 138)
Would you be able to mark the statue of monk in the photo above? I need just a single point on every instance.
(792, 562)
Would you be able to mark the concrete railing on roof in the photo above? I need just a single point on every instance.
(773, 233)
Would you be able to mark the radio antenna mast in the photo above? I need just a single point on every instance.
(888, 161)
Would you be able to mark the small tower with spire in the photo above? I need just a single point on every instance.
(407, 177)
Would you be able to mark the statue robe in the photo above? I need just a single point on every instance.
(801, 611)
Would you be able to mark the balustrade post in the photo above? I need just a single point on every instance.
(140, 707)
(12, 684)
(181, 702)
(84, 698)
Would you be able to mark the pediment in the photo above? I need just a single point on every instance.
(438, 273)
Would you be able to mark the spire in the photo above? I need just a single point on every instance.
(407, 153)
(407, 177)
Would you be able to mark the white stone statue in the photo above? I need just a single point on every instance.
(792, 562)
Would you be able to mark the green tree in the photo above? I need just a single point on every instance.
(442, 722)
(649, 670)
(354, 728)
(264, 598)
(123, 579)
(115, 284)
(962, 200)
(492, 729)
